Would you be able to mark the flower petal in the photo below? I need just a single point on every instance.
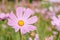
(32, 20)
(27, 28)
(24, 30)
(16, 29)
(13, 24)
(52, 22)
(10, 22)
(28, 12)
(12, 16)
(31, 28)
(19, 11)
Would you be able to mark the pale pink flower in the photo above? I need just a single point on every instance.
(50, 14)
(56, 22)
(22, 20)
(3, 16)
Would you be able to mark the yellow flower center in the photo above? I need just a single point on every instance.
(20, 22)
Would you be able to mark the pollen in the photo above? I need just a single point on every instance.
(20, 22)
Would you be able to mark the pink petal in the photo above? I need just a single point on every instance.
(2, 15)
(24, 30)
(32, 20)
(31, 28)
(11, 23)
(28, 12)
(54, 18)
(16, 29)
(19, 11)
(12, 16)
(27, 28)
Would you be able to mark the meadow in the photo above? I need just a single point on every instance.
(46, 20)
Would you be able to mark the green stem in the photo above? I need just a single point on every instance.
(20, 35)
(28, 1)
(57, 37)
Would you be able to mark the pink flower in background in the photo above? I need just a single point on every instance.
(56, 22)
(22, 20)
(3, 16)
(57, 9)
(50, 14)
(43, 11)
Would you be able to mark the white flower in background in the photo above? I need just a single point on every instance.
(4, 25)
(51, 8)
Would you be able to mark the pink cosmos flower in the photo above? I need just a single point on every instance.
(56, 22)
(22, 20)
(3, 16)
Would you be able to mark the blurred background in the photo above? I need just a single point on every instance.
(44, 10)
